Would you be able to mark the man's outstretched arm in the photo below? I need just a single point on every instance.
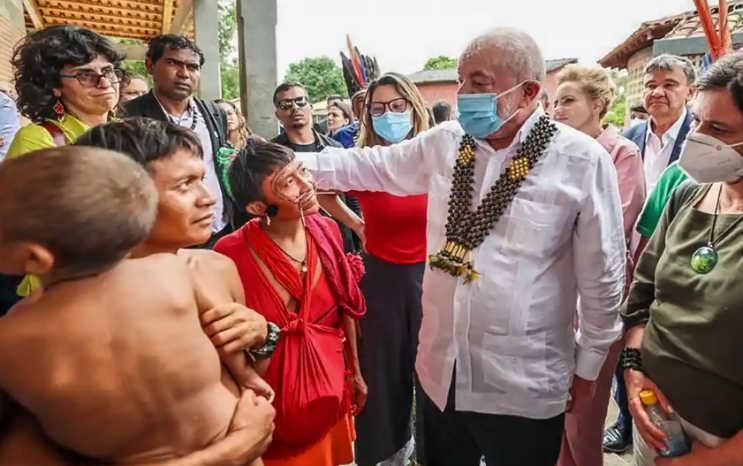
(400, 169)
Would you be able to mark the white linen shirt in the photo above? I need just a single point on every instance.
(512, 331)
(658, 152)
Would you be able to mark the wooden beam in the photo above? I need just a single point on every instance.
(133, 51)
(167, 15)
(33, 12)
(182, 15)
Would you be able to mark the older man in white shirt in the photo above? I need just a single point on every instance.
(534, 221)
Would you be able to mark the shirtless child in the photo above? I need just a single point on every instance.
(121, 369)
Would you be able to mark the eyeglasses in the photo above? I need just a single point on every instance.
(286, 104)
(90, 79)
(399, 105)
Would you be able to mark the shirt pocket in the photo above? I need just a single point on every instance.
(515, 363)
(536, 230)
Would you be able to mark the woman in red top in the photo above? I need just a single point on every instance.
(394, 235)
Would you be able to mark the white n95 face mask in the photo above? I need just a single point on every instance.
(708, 160)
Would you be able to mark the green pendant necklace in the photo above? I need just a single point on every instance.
(705, 259)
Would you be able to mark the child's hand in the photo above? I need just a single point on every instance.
(253, 381)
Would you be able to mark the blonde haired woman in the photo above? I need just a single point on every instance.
(584, 96)
(394, 230)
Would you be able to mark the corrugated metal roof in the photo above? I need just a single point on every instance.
(450, 76)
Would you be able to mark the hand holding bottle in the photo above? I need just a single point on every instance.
(636, 382)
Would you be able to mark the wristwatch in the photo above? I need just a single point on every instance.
(630, 358)
(272, 339)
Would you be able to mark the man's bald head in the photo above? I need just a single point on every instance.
(510, 49)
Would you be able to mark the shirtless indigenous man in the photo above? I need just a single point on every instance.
(117, 344)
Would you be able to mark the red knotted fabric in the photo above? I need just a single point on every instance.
(308, 368)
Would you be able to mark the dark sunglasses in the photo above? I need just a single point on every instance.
(287, 104)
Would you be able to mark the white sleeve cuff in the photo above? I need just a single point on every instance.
(588, 363)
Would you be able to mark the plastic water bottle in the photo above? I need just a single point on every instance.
(676, 444)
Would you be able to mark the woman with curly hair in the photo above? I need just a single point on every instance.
(67, 80)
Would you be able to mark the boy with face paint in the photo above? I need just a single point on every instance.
(294, 272)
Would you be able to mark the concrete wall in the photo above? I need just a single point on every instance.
(258, 76)
(12, 29)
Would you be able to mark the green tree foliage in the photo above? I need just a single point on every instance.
(441, 63)
(618, 108)
(229, 67)
(227, 27)
(320, 76)
(230, 79)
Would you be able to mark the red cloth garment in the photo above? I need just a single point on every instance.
(395, 226)
(308, 368)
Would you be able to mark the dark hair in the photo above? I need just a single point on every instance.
(667, 62)
(283, 87)
(89, 207)
(157, 45)
(638, 107)
(142, 140)
(333, 97)
(252, 166)
(344, 108)
(39, 58)
(441, 111)
(725, 73)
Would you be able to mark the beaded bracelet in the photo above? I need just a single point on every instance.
(631, 358)
(272, 339)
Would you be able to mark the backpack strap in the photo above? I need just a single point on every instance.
(680, 196)
(57, 135)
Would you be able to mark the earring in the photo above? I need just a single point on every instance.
(59, 109)
(268, 221)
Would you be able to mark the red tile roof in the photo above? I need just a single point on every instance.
(683, 25)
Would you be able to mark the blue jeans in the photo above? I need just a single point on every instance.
(620, 396)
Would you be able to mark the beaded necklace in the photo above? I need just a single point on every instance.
(467, 229)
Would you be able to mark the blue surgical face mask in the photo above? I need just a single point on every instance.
(478, 113)
(393, 127)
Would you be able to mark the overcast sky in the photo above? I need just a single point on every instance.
(403, 34)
